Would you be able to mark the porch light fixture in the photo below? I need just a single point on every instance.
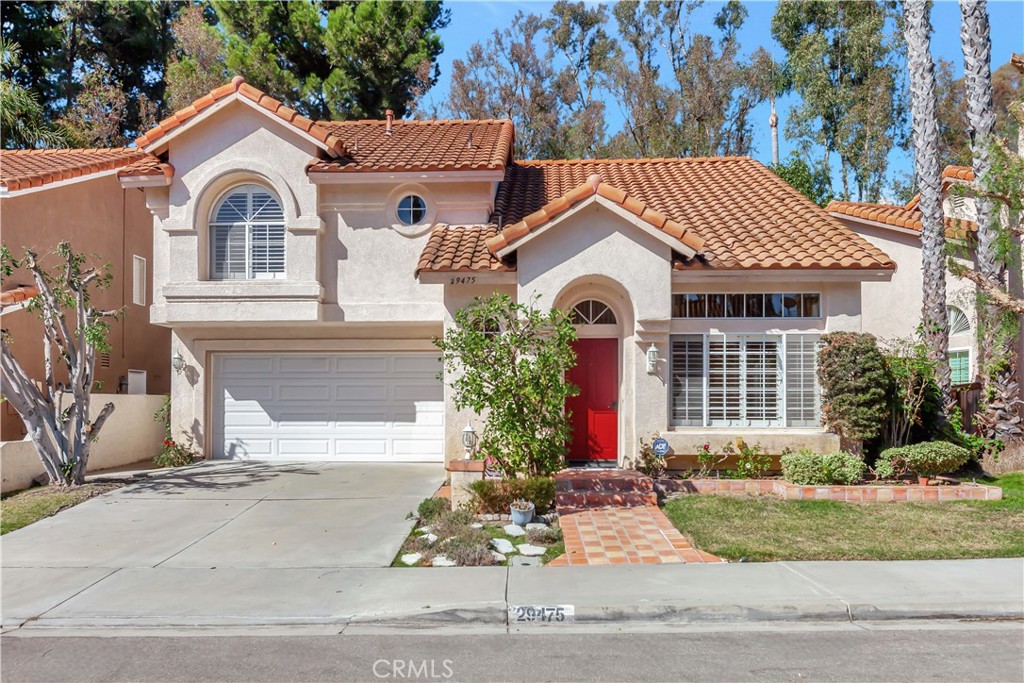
(177, 362)
(469, 440)
(652, 359)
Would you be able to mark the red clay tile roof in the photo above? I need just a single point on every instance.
(239, 87)
(594, 185)
(18, 294)
(419, 146)
(24, 168)
(747, 216)
(958, 173)
(454, 248)
(907, 217)
(147, 166)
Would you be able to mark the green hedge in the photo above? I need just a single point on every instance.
(819, 469)
(923, 459)
(493, 496)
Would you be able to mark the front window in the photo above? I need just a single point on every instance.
(960, 366)
(750, 305)
(744, 380)
(247, 236)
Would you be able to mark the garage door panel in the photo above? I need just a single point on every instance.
(362, 365)
(241, 364)
(304, 364)
(372, 407)
(304, 392)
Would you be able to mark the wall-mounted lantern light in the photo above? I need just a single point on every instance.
(469, 440)
(652, 359)
(177, 362)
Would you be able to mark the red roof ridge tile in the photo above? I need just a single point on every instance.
(593, 185)
(238, 87)
(29, 168)
(641, 160)
(420, 122)
(18, 294)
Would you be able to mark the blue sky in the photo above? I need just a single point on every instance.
(474, 21)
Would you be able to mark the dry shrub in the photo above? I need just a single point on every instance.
(1010, 459)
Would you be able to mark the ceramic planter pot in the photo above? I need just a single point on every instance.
(923, 481)
(522, 517)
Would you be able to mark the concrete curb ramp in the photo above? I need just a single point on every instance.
(176, 597)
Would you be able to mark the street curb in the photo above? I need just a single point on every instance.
(493, 615)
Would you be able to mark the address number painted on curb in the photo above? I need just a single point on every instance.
(547, 614)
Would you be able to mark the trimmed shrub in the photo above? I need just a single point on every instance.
(820, 469)
(923, 459)
(493, 496)
(430, 508)
(855, 385)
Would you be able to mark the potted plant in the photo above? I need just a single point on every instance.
(522, 511)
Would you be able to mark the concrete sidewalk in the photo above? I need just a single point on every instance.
(189, 597)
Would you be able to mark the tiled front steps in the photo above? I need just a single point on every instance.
(612, 517)
(624, 535)
(579, 489)
(853, 494)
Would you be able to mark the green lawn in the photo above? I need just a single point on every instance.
(24, 508)
(765, 528)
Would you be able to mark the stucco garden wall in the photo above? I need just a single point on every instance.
(130, 435)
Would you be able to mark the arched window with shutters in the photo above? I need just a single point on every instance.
(959, 323)
(247, 235)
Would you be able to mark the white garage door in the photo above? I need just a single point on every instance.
(335, 406)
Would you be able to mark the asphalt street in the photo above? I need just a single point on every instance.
(928, 651)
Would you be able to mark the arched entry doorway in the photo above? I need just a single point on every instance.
(595, 410)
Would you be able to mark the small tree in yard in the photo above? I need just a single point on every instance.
(73, 331)
(854, 387)
(507, 361)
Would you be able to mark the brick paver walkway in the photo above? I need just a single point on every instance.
(624, 535)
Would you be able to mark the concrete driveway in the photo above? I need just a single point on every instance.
(225, 515)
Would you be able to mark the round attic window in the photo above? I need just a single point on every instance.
(412, 209)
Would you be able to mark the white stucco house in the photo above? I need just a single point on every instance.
(304, 269)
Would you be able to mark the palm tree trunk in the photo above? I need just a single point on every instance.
(917, 30)
(1000, 415)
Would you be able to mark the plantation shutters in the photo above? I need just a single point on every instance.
(744, 380)
(247, 236)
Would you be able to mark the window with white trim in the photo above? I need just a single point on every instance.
(960, 366)
(247, 236)
(138, 280)
(591, 312)
(744, 380)
(747, 305)
(959, 323)
(412, 209)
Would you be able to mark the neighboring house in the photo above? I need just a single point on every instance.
(75, 194)
(893, 308)
(304, 269)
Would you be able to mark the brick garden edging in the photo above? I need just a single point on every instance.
(884, 493)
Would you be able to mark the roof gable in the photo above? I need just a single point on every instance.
(240, 91)
(595, 190)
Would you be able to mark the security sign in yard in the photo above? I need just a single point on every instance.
(541, 614)
(660, 447)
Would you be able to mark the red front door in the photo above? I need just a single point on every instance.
(595, 421)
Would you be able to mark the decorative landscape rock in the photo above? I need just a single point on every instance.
(430, 538)
(442, 561)
(498, 557)
(476, 525)
(536, 525)
(411, 558)
(514, 530)
(503, 545)
(531, 550)
(423, 530)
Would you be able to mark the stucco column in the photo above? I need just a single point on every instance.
(187, 394)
